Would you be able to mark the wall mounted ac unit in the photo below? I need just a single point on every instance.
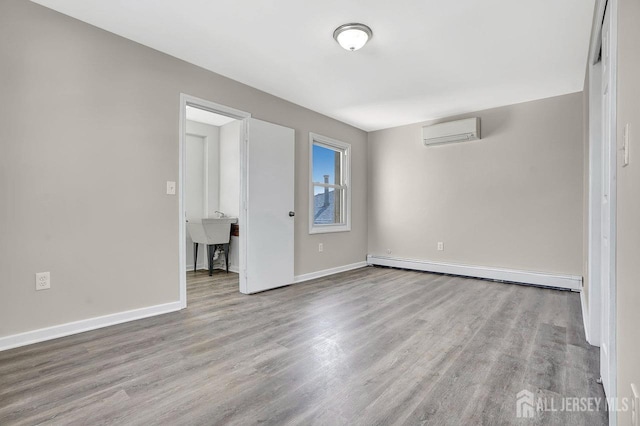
(452, 131)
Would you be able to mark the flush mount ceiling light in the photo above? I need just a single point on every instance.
(352, 36)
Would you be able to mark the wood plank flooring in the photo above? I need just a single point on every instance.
(372, 346)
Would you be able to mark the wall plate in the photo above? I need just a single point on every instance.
(43, 280)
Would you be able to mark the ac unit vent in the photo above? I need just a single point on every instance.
(452, 131)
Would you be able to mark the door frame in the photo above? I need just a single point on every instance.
(182, 231)
(595, 187)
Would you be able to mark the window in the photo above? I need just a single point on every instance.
(330, 187)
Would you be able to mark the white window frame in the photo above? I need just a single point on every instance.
(327, 142)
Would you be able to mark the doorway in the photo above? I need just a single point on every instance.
(212, 191)
(210, 187)
(255, 186)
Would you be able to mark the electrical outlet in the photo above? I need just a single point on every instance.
(320, 248)
(171, 188)
(43, 280)
(440, 246)
(635, 405)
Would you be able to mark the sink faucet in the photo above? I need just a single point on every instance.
(220, 213)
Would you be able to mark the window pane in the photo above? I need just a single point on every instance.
(328, 205)
(326, 165)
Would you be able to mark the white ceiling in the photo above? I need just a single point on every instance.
(206, 117)
(427, 58)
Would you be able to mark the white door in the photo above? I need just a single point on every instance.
(269, 216)
(608, 198)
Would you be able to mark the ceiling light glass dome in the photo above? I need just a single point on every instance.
(352, 36)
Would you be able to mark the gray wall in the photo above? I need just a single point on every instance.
(628, 233)
(511, 200)
(89, 137)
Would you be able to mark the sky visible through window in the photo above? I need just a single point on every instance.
(324, 163)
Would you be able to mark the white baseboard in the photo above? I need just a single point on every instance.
(327, 272)
(62, 330)
(232, 268)
(569, 282)
(585, 317)
(200, 266)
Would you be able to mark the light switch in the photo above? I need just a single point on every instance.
(171, 188)
(625, 145)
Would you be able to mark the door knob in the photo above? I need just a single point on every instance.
(292, 214)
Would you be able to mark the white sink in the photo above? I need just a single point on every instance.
(218, 229)
(220, 220)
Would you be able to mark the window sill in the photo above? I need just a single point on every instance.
(327, 229)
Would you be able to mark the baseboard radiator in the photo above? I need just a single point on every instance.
(564, 282)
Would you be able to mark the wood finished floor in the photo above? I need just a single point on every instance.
(372, 346)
